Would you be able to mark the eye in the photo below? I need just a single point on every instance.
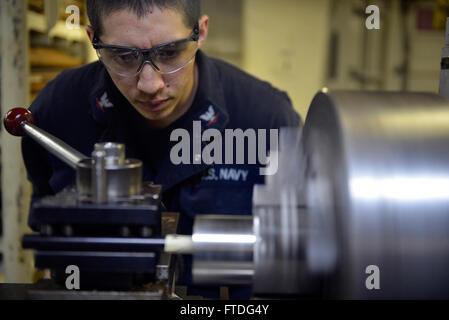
(171, 51)
(168, 53)
(125, 57)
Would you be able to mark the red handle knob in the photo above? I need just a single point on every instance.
(14, 117)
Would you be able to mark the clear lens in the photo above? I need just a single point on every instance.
(174, 56)
(121, 61)
(169, 58)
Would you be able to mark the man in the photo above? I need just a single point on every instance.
(152, 79)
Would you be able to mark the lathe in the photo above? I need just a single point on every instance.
(363, 186)
(358, 209)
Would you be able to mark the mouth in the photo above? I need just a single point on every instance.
(155, 105)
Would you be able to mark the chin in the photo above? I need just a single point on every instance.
(162, 115)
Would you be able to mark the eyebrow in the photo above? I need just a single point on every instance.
(107, 46)
(193, 34)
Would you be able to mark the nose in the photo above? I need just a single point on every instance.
(149, 80)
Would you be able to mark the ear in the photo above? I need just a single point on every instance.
(90, 33)
(204, 28)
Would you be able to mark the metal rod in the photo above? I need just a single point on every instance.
(99, 177)
(55, 146)
(116, 244)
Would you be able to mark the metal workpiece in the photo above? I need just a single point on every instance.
(363, 186)
(109, 176)
(114, 152)
(223, 249)
(99, 178)
(378, 185)
(179, 244)
(123, 181)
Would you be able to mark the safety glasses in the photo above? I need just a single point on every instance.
(166, 58)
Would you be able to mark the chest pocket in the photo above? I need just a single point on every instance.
(222, 189)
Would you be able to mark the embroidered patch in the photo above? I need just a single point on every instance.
(103, 102)
(210, 116)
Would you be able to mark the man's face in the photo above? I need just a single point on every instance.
(159, 98)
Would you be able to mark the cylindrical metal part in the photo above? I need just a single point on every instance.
(376, 221)
(99, 177)
(106, 244)
(179, 244)
(223, 249)
(378, 175)
(55, 146)
(115, 153)
(122, 181)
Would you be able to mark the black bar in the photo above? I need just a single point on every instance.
(115, 262)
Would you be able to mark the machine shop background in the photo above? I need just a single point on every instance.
(298, 45)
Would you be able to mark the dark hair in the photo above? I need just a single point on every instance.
(98, 9)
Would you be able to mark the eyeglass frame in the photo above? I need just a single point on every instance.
(194, 36)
